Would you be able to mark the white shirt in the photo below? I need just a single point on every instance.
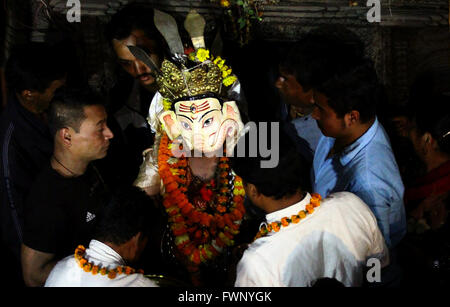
(335, 241)
(67, 272)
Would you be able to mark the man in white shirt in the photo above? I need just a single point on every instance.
(121, 236)
(304, 238)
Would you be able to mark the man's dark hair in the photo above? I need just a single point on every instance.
(68, 109)
(34, 66)
(321, 54)
(135, 16)
(434, 118)
(359, 90)
(283, 180)
(129, 212)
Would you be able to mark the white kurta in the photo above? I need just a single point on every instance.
(67, 272)
(335, 241)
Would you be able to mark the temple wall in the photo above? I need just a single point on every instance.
(412, 38)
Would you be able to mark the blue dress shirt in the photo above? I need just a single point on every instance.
(307, 129)
(368, 169)
(304, 132)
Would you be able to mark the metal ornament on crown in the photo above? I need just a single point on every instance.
(194, 89)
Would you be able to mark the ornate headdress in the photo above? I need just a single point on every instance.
(192, 74)
(209, 76)
(188, 77)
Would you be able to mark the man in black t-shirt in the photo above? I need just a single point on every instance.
(68, 194)
(34, 73)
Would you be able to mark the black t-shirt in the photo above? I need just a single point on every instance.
(61, 212)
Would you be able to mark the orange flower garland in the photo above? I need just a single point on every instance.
(200, 236)
(285, 221)
(95, 269)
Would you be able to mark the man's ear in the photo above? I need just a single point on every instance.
(139, 240)
(136, 238)
(352, 118)
(28, 95)
(427, 140)
(252, 190)
(65, 135)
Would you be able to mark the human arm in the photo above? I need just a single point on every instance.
(382, 190)
(148, 178)
(36, 266)
(435, 206)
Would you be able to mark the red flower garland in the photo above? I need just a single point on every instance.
(200, 236)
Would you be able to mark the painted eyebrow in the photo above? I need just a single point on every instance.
(207, 113)
(187, 118)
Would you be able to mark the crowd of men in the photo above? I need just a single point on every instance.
(69, 158)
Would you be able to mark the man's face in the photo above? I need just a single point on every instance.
(327, 119)
(92, 140)
(418, 140)
(137, 69)
(292, 92)
(43, 99)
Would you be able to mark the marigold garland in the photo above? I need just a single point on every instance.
(285, 221)
(200, 236)
(95, 269)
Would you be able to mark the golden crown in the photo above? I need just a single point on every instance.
(208, 75)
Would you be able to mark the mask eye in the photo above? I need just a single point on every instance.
(185, 125)
(208, 122)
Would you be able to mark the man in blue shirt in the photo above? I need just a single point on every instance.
(355, 154)
(311, 61)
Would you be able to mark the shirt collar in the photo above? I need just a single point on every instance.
(353, 149)
(289, 211)
(103, 253)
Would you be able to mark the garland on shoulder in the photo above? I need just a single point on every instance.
(286, 221)
(200, 235)
(95, 269)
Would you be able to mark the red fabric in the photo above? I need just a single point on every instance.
(436, 182)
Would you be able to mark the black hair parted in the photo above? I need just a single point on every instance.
(67, 110)
(135, 16)
(321, 54)
(129, 212)
(290, 174)
(434, 118)
(34, 66)
(358, 89)
(130, 17)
